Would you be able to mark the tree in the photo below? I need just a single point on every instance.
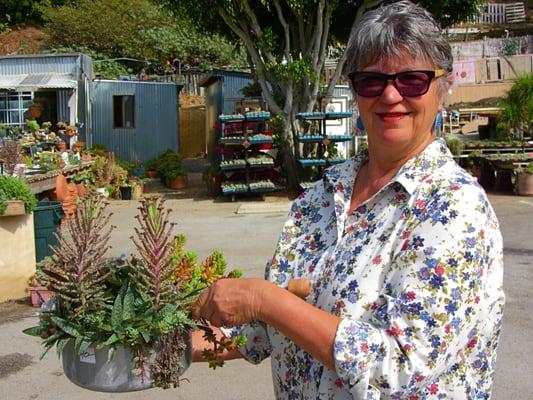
(136, 29)
(287, 43)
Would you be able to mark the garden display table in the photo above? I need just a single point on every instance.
(41, 182)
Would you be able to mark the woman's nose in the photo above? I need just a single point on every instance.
(391, 94)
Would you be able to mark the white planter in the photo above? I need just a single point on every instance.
(92, 370)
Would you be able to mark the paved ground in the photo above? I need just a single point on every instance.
(247, 232)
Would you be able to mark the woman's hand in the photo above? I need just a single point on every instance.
(230, 302)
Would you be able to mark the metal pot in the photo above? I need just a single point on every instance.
(92, 370)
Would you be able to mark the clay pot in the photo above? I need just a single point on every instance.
(61, 190)
(177, 183)
(524, 184)
(82, 189)
(151, 174)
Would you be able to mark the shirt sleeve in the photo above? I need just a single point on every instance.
(257, 346)
(442, 301)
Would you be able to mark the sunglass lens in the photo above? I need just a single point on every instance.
(412, 83)
(370, 85)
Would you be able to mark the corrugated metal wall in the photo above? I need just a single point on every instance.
(232, 83)
(77, 65)
(156, 118)
(18, 65)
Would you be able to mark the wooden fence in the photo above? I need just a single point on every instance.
(500, 13)
(192, 140)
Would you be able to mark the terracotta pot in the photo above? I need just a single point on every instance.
(151, 173)
(61, 190)
(177, 183)
(82, 189)
(524, 184)
(39, 295)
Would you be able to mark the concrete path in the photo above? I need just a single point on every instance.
(247, 231)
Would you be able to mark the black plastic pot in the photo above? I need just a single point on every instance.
(125, 192)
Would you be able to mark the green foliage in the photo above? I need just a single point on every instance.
(455, 145)
(136, 29)
(103, 67)
(169, 165)
(517, 107)
(294, 71)
(23, 11)
(12, 188)
(510, 46)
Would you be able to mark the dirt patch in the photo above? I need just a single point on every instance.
(23, 40)
(13, 363)
(15, 310)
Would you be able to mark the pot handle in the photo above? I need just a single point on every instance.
(300, 287)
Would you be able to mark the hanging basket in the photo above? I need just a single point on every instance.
(94, 371)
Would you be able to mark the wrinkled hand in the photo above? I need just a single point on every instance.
(230, 302)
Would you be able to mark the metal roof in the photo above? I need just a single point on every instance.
(32, 82)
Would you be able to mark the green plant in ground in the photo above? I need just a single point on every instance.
(12, 188)
(141, 302)
(455, 145)
(517, 107)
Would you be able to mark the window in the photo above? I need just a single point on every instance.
(13, 106)
(124, 111)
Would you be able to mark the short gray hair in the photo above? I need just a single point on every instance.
(394, 29)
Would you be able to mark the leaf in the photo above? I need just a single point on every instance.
(60, 345)
(129, 304)
(116, 313)
(33, 331)
(111, 353)
(111, 340)
(66, 326)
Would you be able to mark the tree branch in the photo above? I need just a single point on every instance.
(256, 59)
(367, 4)
(286, 30)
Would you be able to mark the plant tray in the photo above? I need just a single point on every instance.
(261, 139)
(309, 162)
(310, 138)
(14, 208)
(336, 161)
(310, 116)
(231, 118)
(339, 138)
(340, 114)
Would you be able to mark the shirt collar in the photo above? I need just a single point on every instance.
(340, 179)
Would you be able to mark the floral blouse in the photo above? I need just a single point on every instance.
(415, 275)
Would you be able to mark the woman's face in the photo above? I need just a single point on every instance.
(393, 121)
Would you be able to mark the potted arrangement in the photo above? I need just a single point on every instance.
(151, 168)
(524, 181)
(123, 324)
(16, 197)
(171, 169)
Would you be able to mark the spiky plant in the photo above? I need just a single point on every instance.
(154, 243)
(77, 270)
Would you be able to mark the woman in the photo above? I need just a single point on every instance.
(401, 246)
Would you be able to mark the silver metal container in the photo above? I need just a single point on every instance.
(92, 370)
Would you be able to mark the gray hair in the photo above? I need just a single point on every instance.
(394, 29)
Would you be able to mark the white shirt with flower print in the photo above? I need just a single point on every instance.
(415, 274)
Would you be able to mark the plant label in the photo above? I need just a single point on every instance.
(88, 356)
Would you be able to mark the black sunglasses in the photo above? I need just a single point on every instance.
(408, 83)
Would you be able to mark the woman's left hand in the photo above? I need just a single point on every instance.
(230, 302)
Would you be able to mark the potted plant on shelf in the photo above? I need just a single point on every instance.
(16, 197)
(123, 324)
(524, 180)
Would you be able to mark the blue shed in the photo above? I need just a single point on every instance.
(137, 120)
(60, 83)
